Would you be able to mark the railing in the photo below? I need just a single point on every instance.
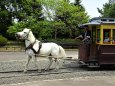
(12, 48)
(69, 46)
(22, 48)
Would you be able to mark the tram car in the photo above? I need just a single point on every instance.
(100, 49)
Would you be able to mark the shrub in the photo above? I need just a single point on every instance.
(63, 41)
(3, 41)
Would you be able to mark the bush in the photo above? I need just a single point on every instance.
(3, 41)
(63, 41)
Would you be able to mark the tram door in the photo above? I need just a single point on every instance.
(93, 45)
(87, 52)
(84, 49)
(84, 52)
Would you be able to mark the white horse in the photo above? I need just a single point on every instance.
(34, 46)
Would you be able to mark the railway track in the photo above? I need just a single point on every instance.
(15, 69)
(11, 69)
(12, 72)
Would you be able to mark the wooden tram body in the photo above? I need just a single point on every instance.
(99, 52)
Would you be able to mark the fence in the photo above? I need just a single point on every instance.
(22, 48)
(12, 48)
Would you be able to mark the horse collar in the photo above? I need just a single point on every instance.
(31, 47)
(40, 45)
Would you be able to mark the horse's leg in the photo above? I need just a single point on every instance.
(26, 66)
(36, 63)
(57, 64)
(51, 61)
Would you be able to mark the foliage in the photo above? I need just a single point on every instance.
(108, 10)
(19, 10)
(59, 30)
(39, 28)
(60, 17)
(15, 28)
(72, 17)
(3, 41)
(5, 18)
(78, 3)
(63, 41)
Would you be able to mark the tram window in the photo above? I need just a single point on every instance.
(104, 20)
(106, 35)
(113, 39)
(111, 20)
(98, 35)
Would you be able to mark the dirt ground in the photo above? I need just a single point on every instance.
(87, 81)
(12, 56)
(12, 65)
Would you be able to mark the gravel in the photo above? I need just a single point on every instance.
(12, 65)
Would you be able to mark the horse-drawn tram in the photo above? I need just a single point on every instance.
(99, 49)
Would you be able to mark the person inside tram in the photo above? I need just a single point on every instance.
(107, 39)
(86, 35)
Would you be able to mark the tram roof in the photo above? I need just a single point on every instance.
(99, 21)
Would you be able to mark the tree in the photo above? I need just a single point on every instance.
(59, 11)
(5, 18)
(27, 12)
(60, 19)
(58, 29)
(32, 24)
(78, 3)
(108, 10)
(20, 10)
(72, 17)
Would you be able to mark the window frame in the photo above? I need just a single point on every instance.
(106, 40)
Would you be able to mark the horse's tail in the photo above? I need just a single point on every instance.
(62, 52)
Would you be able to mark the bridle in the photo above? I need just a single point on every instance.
(32, 44)
(27, 35)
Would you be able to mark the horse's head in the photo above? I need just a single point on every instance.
(23, 34)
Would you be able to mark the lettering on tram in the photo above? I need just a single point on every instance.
(100, 50)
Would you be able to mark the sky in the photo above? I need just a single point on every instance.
(92, 5)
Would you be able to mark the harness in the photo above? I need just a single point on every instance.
(31, 47)
(32, 44)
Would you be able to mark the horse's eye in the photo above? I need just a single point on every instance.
(24, 32)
